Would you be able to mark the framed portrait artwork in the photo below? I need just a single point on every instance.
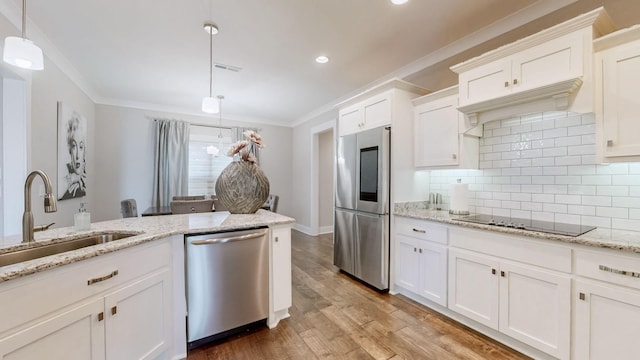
(72, 146)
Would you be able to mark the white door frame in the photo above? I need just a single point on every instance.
(314, 202)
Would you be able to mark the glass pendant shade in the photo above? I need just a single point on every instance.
(210, 105)
(22, 53)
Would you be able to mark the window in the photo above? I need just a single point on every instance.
(208, 147)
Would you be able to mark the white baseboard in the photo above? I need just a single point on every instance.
(326, 229)
(304, 229)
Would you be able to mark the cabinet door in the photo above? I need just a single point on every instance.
(350, 121)
(281, 245)
(547, 63)
(377, 111)
(76, 333)
(433, 272)
(621, 86)
(607, 322)
(436, 133)
(407, 263)
(535, 308)
(473, 286)
(138, 318)
(485, 82)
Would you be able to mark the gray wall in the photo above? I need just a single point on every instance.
(126, 148)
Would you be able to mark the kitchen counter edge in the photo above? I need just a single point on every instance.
(600, 237)
(147, 228)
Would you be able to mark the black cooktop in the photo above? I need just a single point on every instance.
(532, 225)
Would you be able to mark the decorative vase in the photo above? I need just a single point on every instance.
(242, 187)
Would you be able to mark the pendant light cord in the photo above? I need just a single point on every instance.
(210, 60)
(24, 19)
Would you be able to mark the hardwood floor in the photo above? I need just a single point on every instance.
(336, 317)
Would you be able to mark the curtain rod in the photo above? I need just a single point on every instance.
(154, 118)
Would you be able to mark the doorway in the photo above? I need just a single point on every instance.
(322, 177)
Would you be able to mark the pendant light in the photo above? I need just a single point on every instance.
(209, 104)
(220, 137)
(20, 51)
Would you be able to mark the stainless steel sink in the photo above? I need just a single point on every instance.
(17, 256)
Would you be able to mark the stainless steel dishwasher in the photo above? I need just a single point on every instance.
(227, 283)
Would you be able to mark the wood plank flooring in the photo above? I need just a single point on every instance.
(336, 317)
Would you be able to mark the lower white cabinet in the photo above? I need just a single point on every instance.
(139, 312)
(116, 306)
(606, 321)
(422, 268)
(280, 275)
(74, 333)
(529, 304)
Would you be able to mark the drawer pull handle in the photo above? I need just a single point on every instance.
(493, 271)
(114, 310)
(420, 231)
(101, 316)
(102, 278)
(619, 272)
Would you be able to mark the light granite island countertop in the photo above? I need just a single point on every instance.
(600, 237)
(147, 229)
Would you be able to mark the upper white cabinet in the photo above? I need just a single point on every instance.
(538, 73)
(443, 138)
(618, 85)
(376, 107)
(369, 114)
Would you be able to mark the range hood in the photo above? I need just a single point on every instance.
(551, 70)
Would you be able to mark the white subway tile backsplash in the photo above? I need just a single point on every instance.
(612, 212)
(612, 190)
(543, 166)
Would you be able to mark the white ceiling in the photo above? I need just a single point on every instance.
(154, 54)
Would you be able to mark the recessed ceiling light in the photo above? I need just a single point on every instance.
(398, 2)
(322, 59)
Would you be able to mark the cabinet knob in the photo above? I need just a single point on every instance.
(101, 316)
(502, 273)
(276, 239)
(609, 143)
(506, 84)
(420, 251)
(114, 310)
(454, 156)
(515, 81)
(415, 249)
(493, 271)
(582, 296)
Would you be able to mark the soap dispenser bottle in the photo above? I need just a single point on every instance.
(82, 220)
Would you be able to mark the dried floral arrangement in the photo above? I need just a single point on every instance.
(244, 148)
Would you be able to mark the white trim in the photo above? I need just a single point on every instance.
(325, 230)
(314, 200)
(303, 229)
(500, 27)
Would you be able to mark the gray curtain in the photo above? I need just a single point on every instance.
(171, 167)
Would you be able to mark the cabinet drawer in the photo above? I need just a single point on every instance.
(39, 294)
(606, 266)
(424, 230)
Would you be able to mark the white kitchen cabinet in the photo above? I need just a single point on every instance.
(541, 72)
(606, 321)
(618, 83)
(140, 312)
(421, 259)
(115, 306)
(526, 303)
(70, 334)
(369, 114)
(376, 107)
(443, 138)
(280, 275)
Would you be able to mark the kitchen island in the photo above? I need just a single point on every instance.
(124, 298)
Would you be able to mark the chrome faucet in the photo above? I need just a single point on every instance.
(49, 205)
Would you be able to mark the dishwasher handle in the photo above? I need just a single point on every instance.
(215, 241)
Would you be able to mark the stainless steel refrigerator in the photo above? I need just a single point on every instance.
(361, 226)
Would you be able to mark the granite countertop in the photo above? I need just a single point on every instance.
(599, 237)
(146, 229)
